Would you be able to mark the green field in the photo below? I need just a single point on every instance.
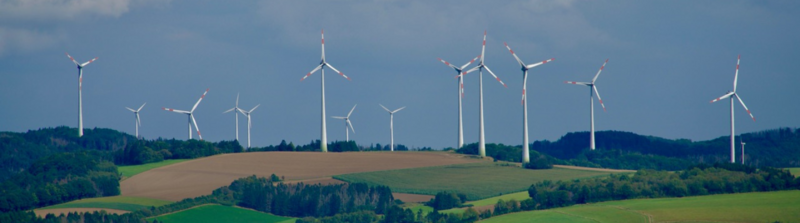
(129, 171)
(780, 206)
(477, 180)
(795, 171)
(115, 202)
(218, 213)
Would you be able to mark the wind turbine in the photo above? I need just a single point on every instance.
(234, 109)
(249, 124)
(80, 91)
(459, 71)
(324, 139)
(191, 116)
(347, 123)
(592, 89)
(742, 141)
(391, 123)
(480, 67)
(138, 121)
(731, 95)
(526, 157)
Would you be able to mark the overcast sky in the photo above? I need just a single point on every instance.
(667, 60)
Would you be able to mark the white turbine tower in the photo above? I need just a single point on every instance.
(391, 123)
(347, 123)
(592, 89)
(731, 95)
(80, 91)
(742, 141)
(191, 116)
(459, 71)
(138, 121)
(235, 108)
(480, 67)
(526, 157)
(324, 139)
(249, 123)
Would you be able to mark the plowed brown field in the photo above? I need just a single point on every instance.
(201, 176)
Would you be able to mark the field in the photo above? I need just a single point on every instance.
(219, 213)
(200, 176)
(129, 171)
(795, 171)
(477, 180)
(115, 204)
(780, 206)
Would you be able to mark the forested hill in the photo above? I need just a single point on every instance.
(776, 147)
(19, 150)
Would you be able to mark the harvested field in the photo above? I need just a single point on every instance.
(58, 211)
(412, 198)
(201, 176)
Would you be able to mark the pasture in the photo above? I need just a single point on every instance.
(746, 207)
(129, 171)
(201, 176)
(219, 213)
(115, 202)
(795, 171)
(476, 180)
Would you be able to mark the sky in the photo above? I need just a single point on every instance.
(667, 61)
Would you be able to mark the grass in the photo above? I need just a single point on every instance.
(795, 171)
(476, 180)
(115, 202)
(218, 213)
(746, 207)
(519, 196)
(129, 171)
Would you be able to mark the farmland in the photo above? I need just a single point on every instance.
(795, 171)
(115, 204)
(746, 207)
(219, 213)
(476, 180)
(199, 177)
(129, 171)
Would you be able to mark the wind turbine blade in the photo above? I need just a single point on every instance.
(254, 108)
(140, 107)
(88, 62)
(338, 117)
(198, 100)
(448, 64)
(529, 66)
(736, 76)
(312, 71)
(195, 127)
(131, 109)
(237, 100)
(461, 84)
(399, 109)
(351, 125)
(578, 83)
(524, 87)
(241, 111)
(138, 120)
(351, 110)
(229, 110)
(598, 72)
(483, 48)
(73, 59)
(384, 108)
(495, 76)
(468, 71)
(337, 71)
(722, 97)
(598, 97)
(323, 44)
(514, 54)
(176, 110)
(745, 107)
(470, 62)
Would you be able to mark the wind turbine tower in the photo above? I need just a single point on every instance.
(480, 67)
(80, 91)
(460, 72)
(391, 124)
(742, 141)
(138, 121)
(592, 89)
(324, 138)
(731, 95)
(191, 116)
(526, 157)
(347, 123)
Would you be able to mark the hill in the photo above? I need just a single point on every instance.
(780, 206)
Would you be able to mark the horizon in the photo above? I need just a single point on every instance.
(664, 67)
